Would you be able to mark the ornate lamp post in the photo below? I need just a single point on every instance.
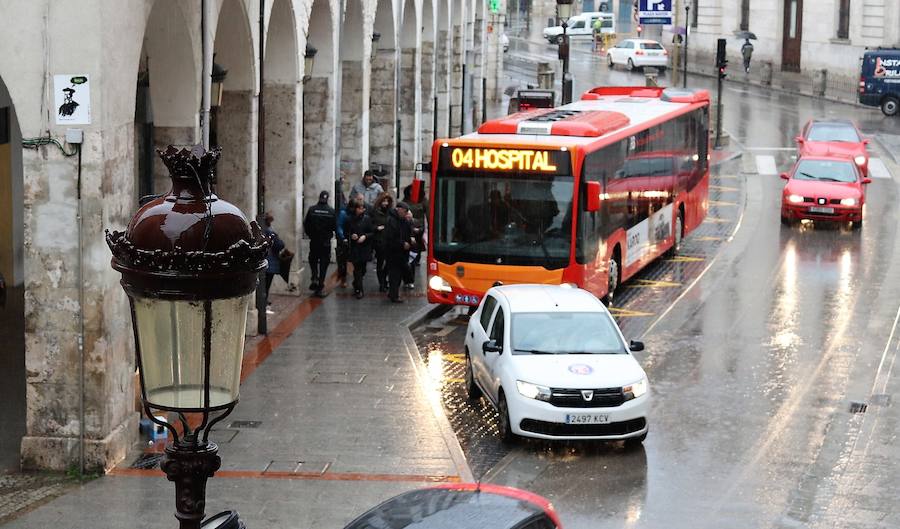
(189, 261)
(309, 60)
(564, 11)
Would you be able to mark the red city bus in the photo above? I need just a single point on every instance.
(586, 194)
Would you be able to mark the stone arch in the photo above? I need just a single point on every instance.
(233, 124)
(354, 97)
(319, 106)
(167, 95)
(407, 111)
(281, 128)
(428, 66)
(383, 98)
(12, 313)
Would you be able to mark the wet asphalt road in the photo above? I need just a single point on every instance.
(762, 345)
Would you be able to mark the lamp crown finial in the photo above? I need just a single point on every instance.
(194, 162)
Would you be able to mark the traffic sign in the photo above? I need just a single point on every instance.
(658, 12)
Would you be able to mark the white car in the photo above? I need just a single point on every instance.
(581, 26)
(555, 365)
(637, 53)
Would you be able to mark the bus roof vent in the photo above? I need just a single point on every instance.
(591, 124)
(684, 95)
(557, 122)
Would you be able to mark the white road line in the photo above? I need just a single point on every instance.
(771, 148)
(877, 169)
(765, 164)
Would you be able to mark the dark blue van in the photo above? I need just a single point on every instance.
(879, 80)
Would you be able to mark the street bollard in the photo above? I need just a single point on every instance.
(820, 82)
(765, 73)
(545, 75)
(650, 76)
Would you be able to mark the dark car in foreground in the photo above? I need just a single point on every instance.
(461, 506)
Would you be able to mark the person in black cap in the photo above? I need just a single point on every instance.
(397, 242)
(318, 225)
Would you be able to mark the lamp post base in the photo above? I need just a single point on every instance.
(189, 466)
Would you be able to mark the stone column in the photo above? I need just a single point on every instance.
(351, 119)
(236, 132)
(382, 114)
(441, 82)
(162, 138)
(283, 172)
(427, 129)
(456, 79)
(478, 70)
(318, 139)
(407, 115)
(52, 324)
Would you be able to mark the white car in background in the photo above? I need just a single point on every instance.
(555, 365)
(637, 53)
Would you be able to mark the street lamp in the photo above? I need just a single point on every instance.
(189, 261)
(309, 60)
(218, 84)
(564, 11)
(687, 32)
(376, 37)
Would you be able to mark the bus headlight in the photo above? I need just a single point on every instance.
(795, 199)
(848, 201)
(637, 389)
(860, 160)
(533, 391)
(439, 283)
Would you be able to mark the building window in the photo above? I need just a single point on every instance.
(843, 31)
(694, 9)
(745, 15)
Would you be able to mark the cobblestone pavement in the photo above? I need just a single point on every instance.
(21, 492)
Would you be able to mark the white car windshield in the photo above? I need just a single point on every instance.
(565, 333)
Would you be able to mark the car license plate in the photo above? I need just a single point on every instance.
(585, 418)
(815, 209)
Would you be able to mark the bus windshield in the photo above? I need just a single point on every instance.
(513, 218)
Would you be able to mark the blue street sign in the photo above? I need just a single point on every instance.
(655, 12)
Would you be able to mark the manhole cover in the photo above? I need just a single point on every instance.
(147, 461)
(858, 407)
(244, 424)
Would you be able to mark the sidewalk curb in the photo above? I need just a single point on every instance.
(456, 452)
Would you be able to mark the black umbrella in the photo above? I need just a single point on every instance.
(745, 35)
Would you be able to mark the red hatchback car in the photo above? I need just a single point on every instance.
(824, 188)
(834, 137)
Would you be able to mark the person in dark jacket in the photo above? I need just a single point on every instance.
(398, 241)
(273, 265)
(319, 225)
(380, 214)
(359, 231)
(342, 250)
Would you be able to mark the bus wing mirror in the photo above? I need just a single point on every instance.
(592, 189)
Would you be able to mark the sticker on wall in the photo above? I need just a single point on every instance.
(72, 94)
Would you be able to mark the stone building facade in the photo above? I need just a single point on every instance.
(67, 369)
(803, 46)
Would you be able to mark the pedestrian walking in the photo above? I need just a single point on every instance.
(319, 225)
(342, 250)
(398, 241)
(359, 230)
(273, 262)
(368, 189)
(380, 214)
(417, 217)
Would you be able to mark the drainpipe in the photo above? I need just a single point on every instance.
(262, 326)
(81, 383)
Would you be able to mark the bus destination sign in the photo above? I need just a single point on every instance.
(500, 159)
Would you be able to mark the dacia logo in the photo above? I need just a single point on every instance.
(587, 394)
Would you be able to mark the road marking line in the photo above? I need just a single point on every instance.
(765, 164)
(709, 238)
(721, 203)
(649, 283)
(877, 169)
(717, 220)
(454, 380)
(771, 149)
(723, 188)
(625, 313)
(685, 259)
(726, 177)
(445, 331)
(456, 358)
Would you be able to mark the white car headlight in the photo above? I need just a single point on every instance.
(795, 199)
(860, 160)
(533, 391)
(439, 283)
(638, 388)
(848, 201)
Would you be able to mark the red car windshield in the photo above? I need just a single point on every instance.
(831, 132)
(825, 170)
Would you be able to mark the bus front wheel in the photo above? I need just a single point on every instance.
(612, 281)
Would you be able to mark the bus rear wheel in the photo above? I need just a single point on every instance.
(612, 281)
(679, 235)
(890, 105)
